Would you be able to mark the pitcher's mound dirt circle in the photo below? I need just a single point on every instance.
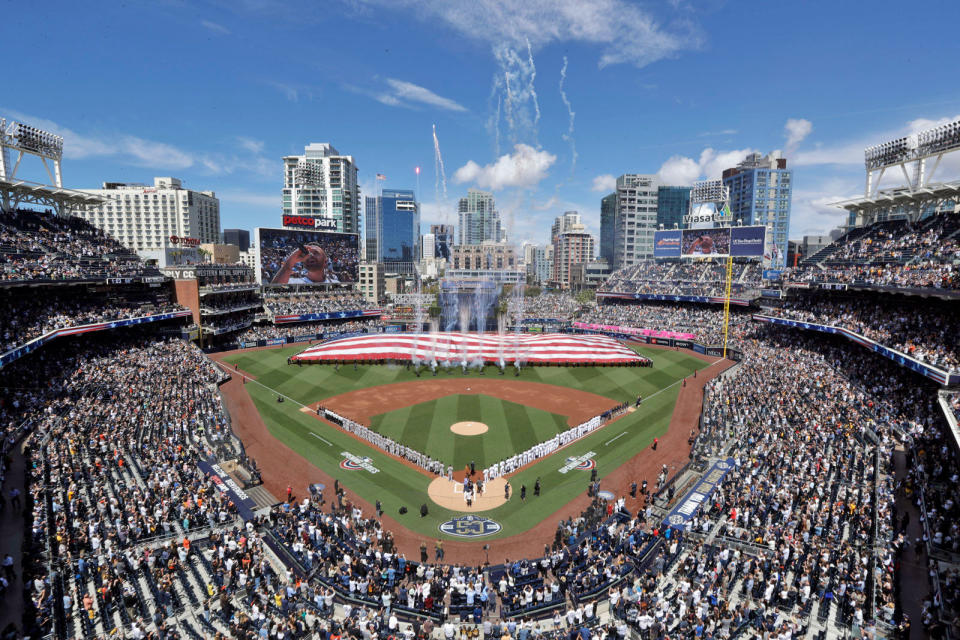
(449, 495)
(469, 428)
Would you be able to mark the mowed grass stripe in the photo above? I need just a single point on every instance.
(442, 444)
(468, 407)
(496, 443)
(519, 426)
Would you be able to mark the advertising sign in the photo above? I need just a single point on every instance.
(288, 256)
(686, 509)
(666, 244)
(747, 241)
(309, 222)
(705, 242)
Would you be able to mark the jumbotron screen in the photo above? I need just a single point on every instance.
(289, 256)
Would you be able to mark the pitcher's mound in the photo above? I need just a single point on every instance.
(449, 495)
(468, 428)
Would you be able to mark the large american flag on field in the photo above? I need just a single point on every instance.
(454, 349)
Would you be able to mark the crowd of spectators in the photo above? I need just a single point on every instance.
(313, 302)
(44, 246)
(117, 428)
(34, 313)
(689, 278)
(125, 532)
(899, 241)
(273, 331)
(891, 254)
(819, 469)
(921, 274)
(928, 333)
(559, 306)
(230, 300)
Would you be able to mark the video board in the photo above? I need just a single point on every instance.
(718, 242)
(290, 256)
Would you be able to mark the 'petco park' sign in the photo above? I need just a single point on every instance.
(309, 222)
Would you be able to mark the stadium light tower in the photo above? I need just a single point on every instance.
(19, 141)
(913, 150)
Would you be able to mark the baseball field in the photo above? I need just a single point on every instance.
(516, 411)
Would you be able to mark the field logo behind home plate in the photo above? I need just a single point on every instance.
(470, 527)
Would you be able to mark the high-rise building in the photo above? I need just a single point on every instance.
(371, 232)
(488, 256)
(239, 237)
(672, 204)
(428, 246)
(539, 262)
(760, 194)
(371, 283)
(443, 238)
(632, 216)
(479, 219)
(571, 247)
(158, 217)
(393, 223)
(564, 223)
(322, 184)
(608, 221)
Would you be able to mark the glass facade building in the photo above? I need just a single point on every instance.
(760, 194)
(393, 230)
(672, 204)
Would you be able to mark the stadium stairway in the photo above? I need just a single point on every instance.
(261, 497)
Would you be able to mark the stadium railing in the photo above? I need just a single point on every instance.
(32, 345)
(937, 374)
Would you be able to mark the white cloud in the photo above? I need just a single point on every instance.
(796, 130)
(400, 93)
(604, 183)
(289, 91)
(915, 126)
(249, 144)
(851, 152)
(681, 170)
(216, 28)
(625, 32)
(156, 155)
(403, 90)
(525, 167)
(847, 153)
(722, 132)
(139, 151)
(812, 211)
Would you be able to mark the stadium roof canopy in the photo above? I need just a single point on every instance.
(17, 192)
(902, 202)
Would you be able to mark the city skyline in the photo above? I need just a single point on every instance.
(553, 142)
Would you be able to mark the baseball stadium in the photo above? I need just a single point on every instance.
(718, 436)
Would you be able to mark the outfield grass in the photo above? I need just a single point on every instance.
(426, 427)
(398, 485)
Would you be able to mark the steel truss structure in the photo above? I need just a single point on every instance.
(911, 154)
(18, 140)
(902, 203)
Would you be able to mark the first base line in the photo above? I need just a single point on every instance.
(320, 438)
(609, 441)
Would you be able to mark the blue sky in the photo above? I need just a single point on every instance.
(217, 92)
